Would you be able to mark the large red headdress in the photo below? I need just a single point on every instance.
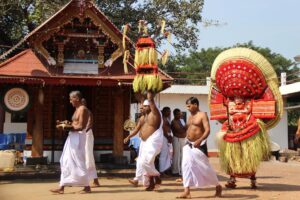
(242, 72)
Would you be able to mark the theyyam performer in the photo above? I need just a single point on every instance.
(244, 96)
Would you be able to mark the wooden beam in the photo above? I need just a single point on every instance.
(37, 134)
(118, 123)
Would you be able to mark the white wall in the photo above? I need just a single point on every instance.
(9, 127)
(278, 134)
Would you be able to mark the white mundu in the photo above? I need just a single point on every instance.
(196, 169)
(72, 161)
(149, 149)
(165, 157)
(89, 151)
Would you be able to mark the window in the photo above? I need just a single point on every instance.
(18, 117)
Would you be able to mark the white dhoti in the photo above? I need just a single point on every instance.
(149, 149)
(139, 170)
(72, 161)
(196, 170)
(165, 157)
(178, 144)
(89, 152)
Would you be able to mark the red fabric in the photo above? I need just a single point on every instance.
(145, 42)
(249, 128)
(240, 78)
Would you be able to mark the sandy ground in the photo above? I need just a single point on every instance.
(276, 180)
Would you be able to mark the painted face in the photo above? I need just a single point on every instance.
(238, 100)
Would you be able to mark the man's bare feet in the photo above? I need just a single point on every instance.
(85, 190)
(57, 191)
(151, 186)
(157, 180)
(218, 191)
(253, 182)
(230, 184)
(184, 196)
(133, 182)
(179, 180)
(96, 183)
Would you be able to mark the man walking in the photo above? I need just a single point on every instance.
(196, 170)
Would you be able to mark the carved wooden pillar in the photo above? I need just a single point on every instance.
(101, 56)
(118, 123)
(37, 133)
(60, 56)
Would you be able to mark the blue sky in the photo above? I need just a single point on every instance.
(268, 23)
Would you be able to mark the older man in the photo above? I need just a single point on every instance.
(73, 159)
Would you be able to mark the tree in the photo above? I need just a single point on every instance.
(18, 17)
(199, 63)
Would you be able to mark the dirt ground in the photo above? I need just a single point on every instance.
(276, 180)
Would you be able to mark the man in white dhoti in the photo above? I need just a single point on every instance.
(196, 170)
(89, 149)
(138, 173)
(73, 159)
(151, 142)
(165, 156)
(179, 133)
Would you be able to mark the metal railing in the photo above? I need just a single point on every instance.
(188, 78)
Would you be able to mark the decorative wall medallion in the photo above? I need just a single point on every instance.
(16, 99)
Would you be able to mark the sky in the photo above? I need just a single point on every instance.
(268, 23)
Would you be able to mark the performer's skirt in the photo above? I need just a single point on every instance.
(242, 158)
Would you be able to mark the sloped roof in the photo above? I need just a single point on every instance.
(28, 64)
(25, 63)
(186, 89)
(27, 67)
(56, 16)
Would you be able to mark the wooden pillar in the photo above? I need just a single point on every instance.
(101, 56)
(37, 133)
(118, 123)
(2, 119)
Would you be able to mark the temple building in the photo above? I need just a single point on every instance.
(78, 48)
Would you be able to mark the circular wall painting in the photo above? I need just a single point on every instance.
(16, 99)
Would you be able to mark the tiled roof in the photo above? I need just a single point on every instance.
(25, 63)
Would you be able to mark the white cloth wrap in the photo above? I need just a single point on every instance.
(178, 144)
(165, 157)
(89, 152)
(72, 161)
(196, 169)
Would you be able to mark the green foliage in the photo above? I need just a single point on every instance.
(18, 17)
(199, 63)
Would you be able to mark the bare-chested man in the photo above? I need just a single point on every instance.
(72, 162)
(196, 170)
(165, 156)
(151, 142)
(179, 134)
